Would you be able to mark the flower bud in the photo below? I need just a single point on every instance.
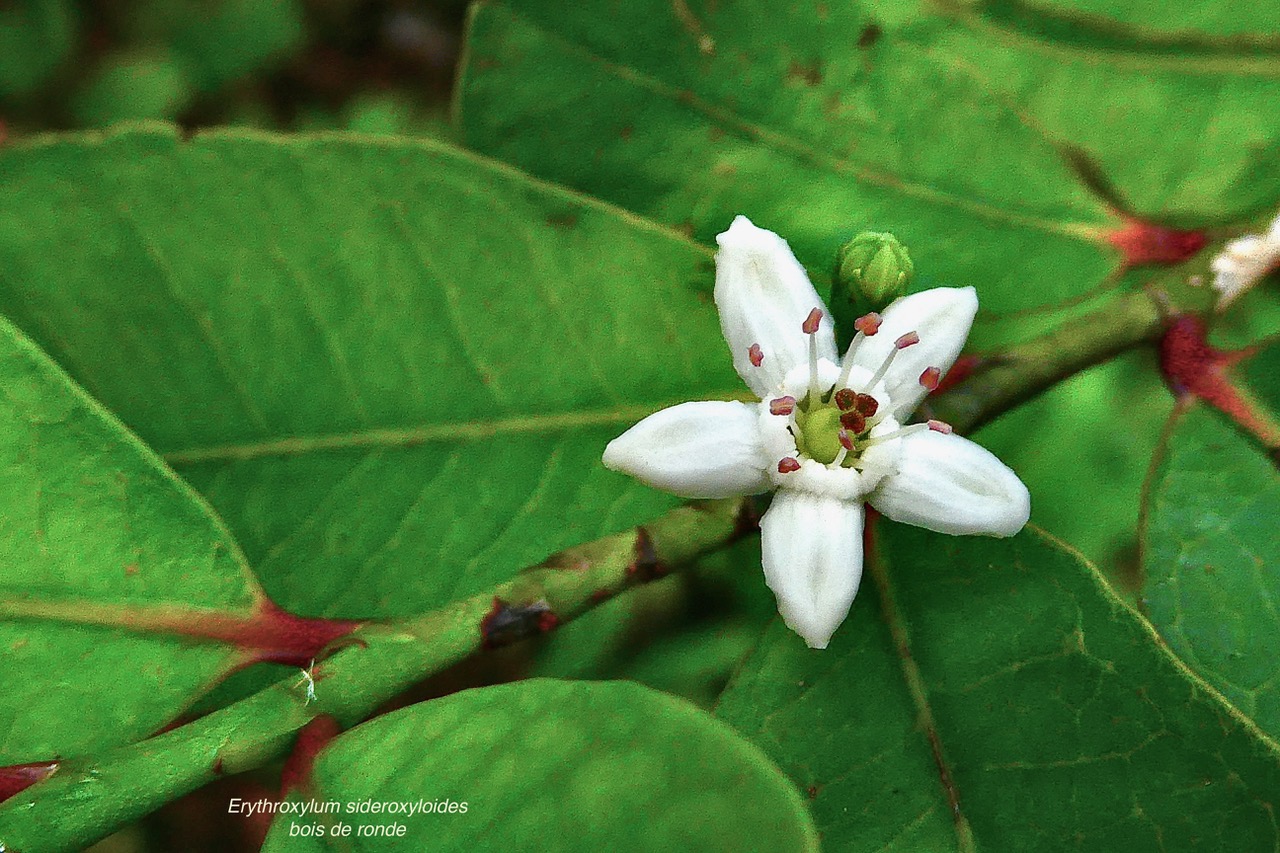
(871, 270)
(873, 267)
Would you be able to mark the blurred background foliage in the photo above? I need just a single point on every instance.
(371, 66)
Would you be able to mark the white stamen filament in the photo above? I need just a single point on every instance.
(884, 368)
(814, 390)
(897, 433)
(835, 463)
(847, 361)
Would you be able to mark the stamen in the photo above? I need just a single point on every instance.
(811, 323)
(788, 464)
(897, 433)
(846, 444)
(867, 405)
(866, 325)
(907, 340)
(930, 378)
(810, 327)
(939, 426)
(854, 421)
(756, 355)
(846, 399)
(782, 406)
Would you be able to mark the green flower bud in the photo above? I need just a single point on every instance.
(872, 270)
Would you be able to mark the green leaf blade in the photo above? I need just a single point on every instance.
(1210, 547)
(884, 138)
(558, 765)
(1031, 684)
(352, 346)
(100, 541)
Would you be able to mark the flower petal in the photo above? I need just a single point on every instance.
(812, 550)
(951, 485)
(942, 317)
(695, 450)
(764, 297)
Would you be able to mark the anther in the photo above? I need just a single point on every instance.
(811, 323)
(940, 426)
(756, 355)
(846, 399)
(788, 464)
(868, 324)
(930, 378)
(907, 340)
(855, 422)
(867, 405)
(846, 440)
(782, 406)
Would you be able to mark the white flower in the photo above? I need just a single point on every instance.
(827, 433)
(1244, 261)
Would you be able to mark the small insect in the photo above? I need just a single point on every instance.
(310, 682)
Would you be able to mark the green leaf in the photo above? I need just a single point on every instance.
(817, 120)
(1192, 140)
(995, 694)
(389, 365)
(1210, 549)
(36, 36)
(102, 547)
(1092, 435)
(546, 764)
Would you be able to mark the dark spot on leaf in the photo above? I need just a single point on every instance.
(646, 566)
(809, 73)
(505, 623)
(565, 220)
(626, 132)
(812, 791)
(870, 35)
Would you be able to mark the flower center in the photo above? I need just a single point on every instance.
(834, 425)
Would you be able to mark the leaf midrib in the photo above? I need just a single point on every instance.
(879, 569)
(406, 437)
(1122, 45)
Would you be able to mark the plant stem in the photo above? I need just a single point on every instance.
(1003, 381)
(88, 798)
